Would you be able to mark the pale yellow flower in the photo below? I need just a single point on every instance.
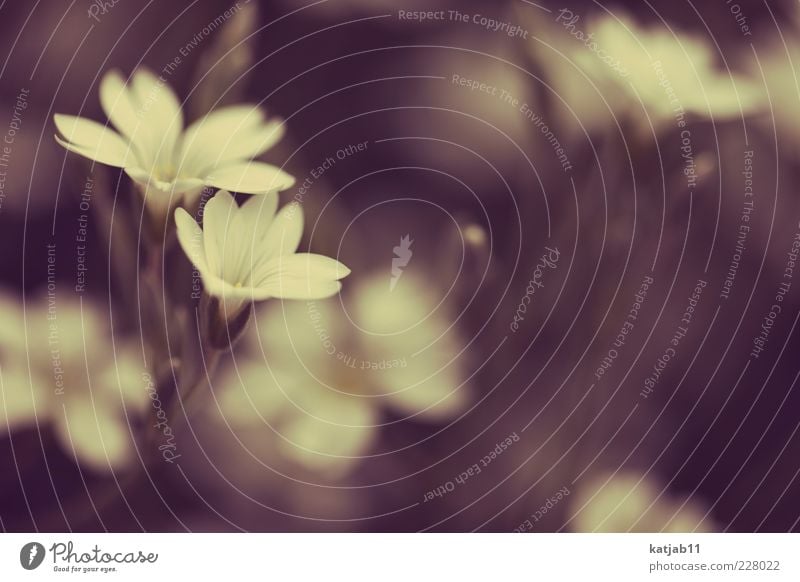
(779, 63)
(248, 253)
(614, 67)
(58, 368)
(629, 502)
(167, 159)
(325, 384)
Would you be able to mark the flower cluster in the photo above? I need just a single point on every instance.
(58, 369)
(242, 253)
(630, 502)
(326, 386)
(610, 71)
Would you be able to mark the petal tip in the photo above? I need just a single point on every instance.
(342, 271)
(61, 119)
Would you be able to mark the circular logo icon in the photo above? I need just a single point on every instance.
(31, 555)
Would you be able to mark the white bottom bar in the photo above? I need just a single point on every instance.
(401, 557)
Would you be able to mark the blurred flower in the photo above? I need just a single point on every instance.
(156, 152)
(778, 63)
(326, 379)
(617, 67)
(86, 387)
(628, 502)
(248, 253)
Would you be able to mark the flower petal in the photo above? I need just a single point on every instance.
(122, 381)
(18, 397)
(229, 294)
(285, 232)
(408, 328)
(313, 266)
(430, 388)
(294, 334)
(330, 445)
(93, 140)
(176, 187)
(226, 136)
(218, 214)
(191, 238)
(254, 143)
(161, 115)
(250, 178)
(255, 394)
(96, 436)
(316, 426)
(627, 501)
(157, 100)
(300, 276)
(117, 104)
(221, 122)
(141, 176)
(257, 214)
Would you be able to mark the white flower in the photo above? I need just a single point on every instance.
(328, 378)
(248, 253)
(155, 150)
(59, 368)
(629, 502)
(610, 65)
(779, 63)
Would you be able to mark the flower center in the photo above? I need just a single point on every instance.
(166, 173)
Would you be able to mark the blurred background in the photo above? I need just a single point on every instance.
(572, 229)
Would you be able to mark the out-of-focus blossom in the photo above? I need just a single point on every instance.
(629, 502)
(59, 368)
(157, 152)
(779, 63)
(248, 253)
(325, 382)
(609, 66)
